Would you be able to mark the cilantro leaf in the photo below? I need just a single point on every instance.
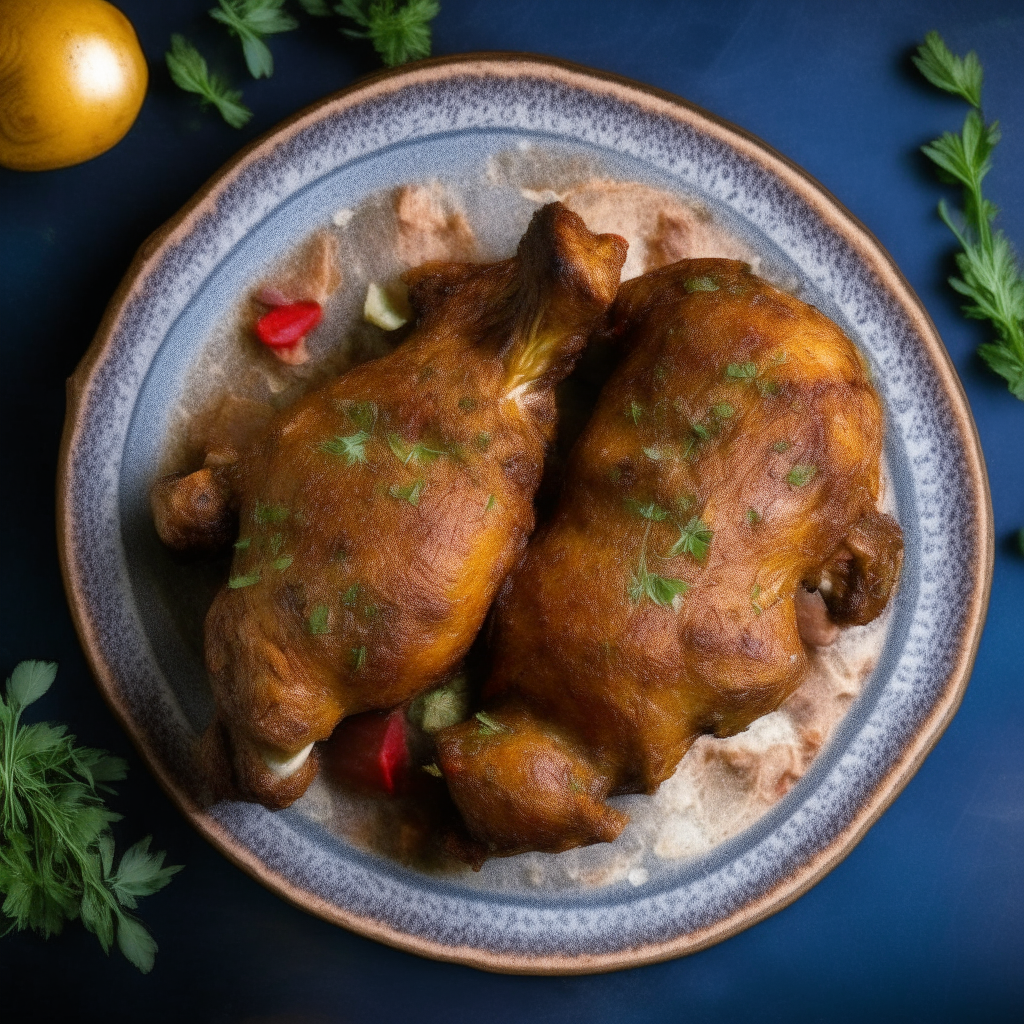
(319, 621)
(410, 493)
(189, 72)
(741, 371)
(649, 510)
(240, 582)
(417, 452)
(399, 32)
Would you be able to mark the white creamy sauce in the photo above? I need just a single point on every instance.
(721, 786)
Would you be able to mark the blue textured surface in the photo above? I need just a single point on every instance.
(924, 921)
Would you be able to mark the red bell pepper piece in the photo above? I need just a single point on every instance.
(285, 326)
(370, 751)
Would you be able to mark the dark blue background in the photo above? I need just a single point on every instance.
(925, 919)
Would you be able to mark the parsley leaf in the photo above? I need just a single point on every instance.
(650, 510)
(410, 493)
(488, 726)
(701, 284)
(417, 452)
(319, 621)
(694, 539)
(265, 513)
(741, 371)
(432, 769)
(56, 848)
(250, 21)
(635, 412)
(989, 274)
(662, 590)
(962, 77)
(799, 476)
(351, 448)
(188, 71)
(238, 582)
(399, 32)
(358, 658)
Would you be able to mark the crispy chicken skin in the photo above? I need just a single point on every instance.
(733, 460)
(379, 515)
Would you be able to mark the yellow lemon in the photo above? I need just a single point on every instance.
(72, 80)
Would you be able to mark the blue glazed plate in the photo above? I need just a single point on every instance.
(445, 119)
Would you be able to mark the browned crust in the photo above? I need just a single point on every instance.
(511, 65)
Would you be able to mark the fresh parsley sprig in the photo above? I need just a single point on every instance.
(56, 848)
(189, 72)
(251, 21)
(399, 31)
(989, 275)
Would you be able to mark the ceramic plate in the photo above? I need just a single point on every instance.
(446, 119)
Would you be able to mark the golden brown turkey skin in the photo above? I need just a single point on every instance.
(379, 515)
(733, 457)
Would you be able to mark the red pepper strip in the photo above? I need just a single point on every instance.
(369, 751)
(284, 326)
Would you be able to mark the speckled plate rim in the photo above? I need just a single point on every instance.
(828, 210)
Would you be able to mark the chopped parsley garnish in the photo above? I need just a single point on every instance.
(741, 371)
(648, 510)
(701, 284)
(694, 539)
(319, 619)
(351, 448)
(654, 454)
(752, 517)
(242, 543)
(358, 655)
(265, 513)
(363, 415)
(662, 590)
(351, 596)
(798, 476)
(635, 412)
(488, 726)
(418, 452)
(432, 769)
(755, 596)
(780, 446)
(467, 404)
(490, 503)
(410, 493)
(283, 562)
(237, 582)
(483, 441)
(723, 410)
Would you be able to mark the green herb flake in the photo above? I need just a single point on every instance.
(319, 621)
(755, 596)
(282, 563)
(635, 412)
(490, 503)
(410, 493)
(654, 454)
(432, 769)
(615, 474)
(363, 415)
(238, 582)
(482, 441)
(662, 590)
(694, 539)
(781, 446)
(242, 544)
(741, 371)
(701, 284)
(766, 387)
(351, 448)
(799, 476)
(467, 404)
(267, 513)
(418, 452)
(357, 658)
(752, 517)
(351, 596)
(275, 543)
(723, 411)
(646, 510)
(488, 726)
(700, 431)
